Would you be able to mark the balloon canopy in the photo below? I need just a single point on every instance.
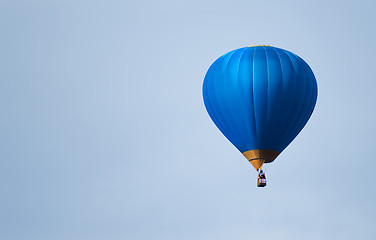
(260, 98)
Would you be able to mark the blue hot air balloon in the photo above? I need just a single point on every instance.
(260, 98)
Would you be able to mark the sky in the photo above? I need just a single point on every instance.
(104, 134)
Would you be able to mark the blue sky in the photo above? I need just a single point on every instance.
(104, 134)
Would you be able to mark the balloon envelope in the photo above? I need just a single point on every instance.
(260, 98)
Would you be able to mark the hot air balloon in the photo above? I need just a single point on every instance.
(260, 98)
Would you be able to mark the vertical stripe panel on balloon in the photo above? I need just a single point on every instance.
(208, 95)
(288, 91)
(260, 91)
(245, 85)
(297, 101)
(301, 97)
(211, 99)
(232, 101)
(219, 94)
(310, 98)
(275, 111)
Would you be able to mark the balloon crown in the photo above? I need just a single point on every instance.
(260, 46)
